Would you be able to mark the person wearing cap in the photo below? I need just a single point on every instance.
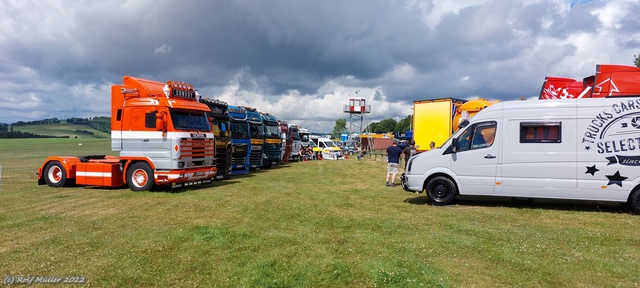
(393, 161)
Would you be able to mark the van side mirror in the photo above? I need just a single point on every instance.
(454, 145)
(463, 123)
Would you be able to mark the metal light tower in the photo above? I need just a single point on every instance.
(358, 110)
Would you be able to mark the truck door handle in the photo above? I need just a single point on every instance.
(489, 156)
(145, 140)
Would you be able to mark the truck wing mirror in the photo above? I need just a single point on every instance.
(161, 122)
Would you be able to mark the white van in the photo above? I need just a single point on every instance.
(330, 151)
(582, 149)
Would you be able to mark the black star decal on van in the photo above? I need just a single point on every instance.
(592, 170)
(616, 179)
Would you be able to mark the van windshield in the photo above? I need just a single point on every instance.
(446, 141)
(330, 143)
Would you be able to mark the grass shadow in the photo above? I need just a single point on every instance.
(528, 203)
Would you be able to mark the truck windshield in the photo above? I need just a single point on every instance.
(190, 120)
(304, 137)
(295, 135)
(257, 132)
(239, 130)
(271, 131)
(220, 128)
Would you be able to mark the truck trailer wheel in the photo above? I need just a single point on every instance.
(140, 177)
(634, 201)
(441, 190)
(54, 174)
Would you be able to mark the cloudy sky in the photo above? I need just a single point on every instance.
(302, 60)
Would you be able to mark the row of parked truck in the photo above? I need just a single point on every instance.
(168, 135)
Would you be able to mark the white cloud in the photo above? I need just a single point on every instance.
(163, 49)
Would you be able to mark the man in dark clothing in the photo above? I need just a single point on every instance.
(393, 161)
(408, 152)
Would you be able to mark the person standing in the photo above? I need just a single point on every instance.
(409, 152)
(393, 161)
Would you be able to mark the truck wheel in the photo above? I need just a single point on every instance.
(140, 177)
(634, 201)
(54, 174)
(441, 190)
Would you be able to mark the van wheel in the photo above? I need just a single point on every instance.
(140, 177)
(54, 174)
(634, 201)
(441, 190)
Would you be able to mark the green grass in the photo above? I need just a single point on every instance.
(63, 129)
(313, 224)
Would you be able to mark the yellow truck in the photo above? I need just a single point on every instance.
(435, 120)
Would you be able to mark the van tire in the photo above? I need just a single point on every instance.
(634, 201)
(441, 190)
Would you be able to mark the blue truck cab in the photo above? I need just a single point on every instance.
(240, 140)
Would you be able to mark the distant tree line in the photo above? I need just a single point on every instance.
(102, 124)
(391, 125)
(385, 126)
(6, 132)
(36, 122)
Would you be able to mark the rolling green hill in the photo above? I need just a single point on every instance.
(63, 129)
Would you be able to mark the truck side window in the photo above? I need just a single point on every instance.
(150, 120)
(541, 132)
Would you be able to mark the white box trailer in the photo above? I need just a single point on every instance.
(580, 149)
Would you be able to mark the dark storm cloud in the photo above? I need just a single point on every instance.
(302, 60)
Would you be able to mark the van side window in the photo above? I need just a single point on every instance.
(477, 136)
(541, 132)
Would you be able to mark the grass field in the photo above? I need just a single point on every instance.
(63, 129)
(309, 224)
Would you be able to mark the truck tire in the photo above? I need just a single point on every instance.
(140, 177)
(54, 174)
(441, 190)
(634, 201)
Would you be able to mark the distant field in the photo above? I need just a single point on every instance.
(304, 224)
(63, 129)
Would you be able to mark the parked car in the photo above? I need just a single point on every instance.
(348, 148)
